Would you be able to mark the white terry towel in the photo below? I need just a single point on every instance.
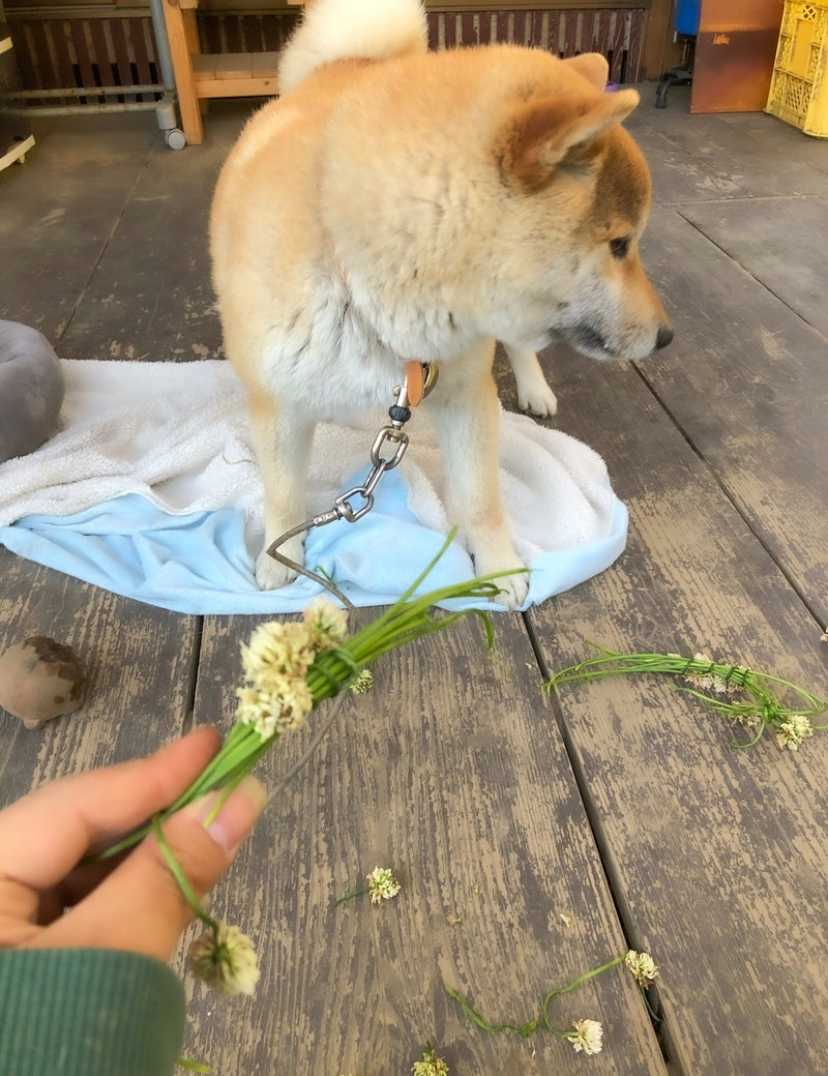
(151, 489)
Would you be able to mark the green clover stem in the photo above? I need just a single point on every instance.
(573, 986)
(180, 876)
(358, 892)
(192, 1066)
(524, 1030)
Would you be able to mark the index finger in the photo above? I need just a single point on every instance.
(45, 834)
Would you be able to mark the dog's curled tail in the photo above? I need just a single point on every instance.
(352, 29)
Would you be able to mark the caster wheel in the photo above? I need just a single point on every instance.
(175, 139)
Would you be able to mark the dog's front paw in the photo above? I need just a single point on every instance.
(540, 400)
(271, 574)
(513, 590)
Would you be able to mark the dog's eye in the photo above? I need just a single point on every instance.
(620, 247)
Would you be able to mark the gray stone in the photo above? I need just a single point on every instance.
(31, 389)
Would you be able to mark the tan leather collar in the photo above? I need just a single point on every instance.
(420, 379)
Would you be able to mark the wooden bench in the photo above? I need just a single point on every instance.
(200, 76)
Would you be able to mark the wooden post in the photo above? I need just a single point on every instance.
(180, 35)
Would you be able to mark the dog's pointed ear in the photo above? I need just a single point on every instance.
(592, 66)
(543, 134)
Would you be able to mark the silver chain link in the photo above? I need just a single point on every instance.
(342, 504)
(390, 435)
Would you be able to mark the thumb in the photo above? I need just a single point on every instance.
(140, 907)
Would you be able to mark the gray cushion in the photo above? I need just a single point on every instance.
(31, 389)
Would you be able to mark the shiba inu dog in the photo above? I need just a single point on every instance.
(396, 204)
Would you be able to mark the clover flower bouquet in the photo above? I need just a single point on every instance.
(290, 668)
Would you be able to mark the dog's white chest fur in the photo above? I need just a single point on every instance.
(331, 363)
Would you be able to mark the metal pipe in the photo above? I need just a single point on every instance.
(71, 110)
(88, 91)
(162, 43)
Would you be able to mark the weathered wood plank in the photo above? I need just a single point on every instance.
(140, 659)
(151, 298)
(452, 772)
(678, 175)
(735, 153)
(783, 138)
(717, 855)
(52, 231)
(782, 245)
(747, 381)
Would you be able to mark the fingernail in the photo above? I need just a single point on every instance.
(237, 816)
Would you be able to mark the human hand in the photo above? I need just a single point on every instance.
(132, 902)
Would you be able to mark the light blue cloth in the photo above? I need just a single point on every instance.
(198, 563)
(151, 490)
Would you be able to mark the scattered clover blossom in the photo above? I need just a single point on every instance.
(431, 1064)
(225, 958)
(759, 705)
(364, 682)
(382, 885)
(587, 1036)
(792, 732)
(642, 967)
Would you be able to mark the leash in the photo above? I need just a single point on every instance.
(420, 379)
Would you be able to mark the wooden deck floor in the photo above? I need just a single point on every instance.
(536, 838)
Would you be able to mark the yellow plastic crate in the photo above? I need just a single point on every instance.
(799, 87)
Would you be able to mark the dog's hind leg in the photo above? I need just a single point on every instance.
(283, 440)
(466, 416)
(534, 393)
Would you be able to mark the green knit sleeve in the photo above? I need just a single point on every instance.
(88, 1012)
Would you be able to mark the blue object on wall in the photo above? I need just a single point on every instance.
(688, 16)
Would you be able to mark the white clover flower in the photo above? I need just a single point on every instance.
(275, 650)
(711, 681)
(326, 623)
(746, 718)
(364, 682)
(792, 732)
(431, 1064)
(587, 1036)
(279, 707)
(642, 967)
(225, 959)
(704, 682)
(382, 885)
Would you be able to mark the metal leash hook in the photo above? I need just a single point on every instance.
(420, 379)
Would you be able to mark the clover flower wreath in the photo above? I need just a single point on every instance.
(748, 697)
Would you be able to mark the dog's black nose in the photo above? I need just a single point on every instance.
(665, 335)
